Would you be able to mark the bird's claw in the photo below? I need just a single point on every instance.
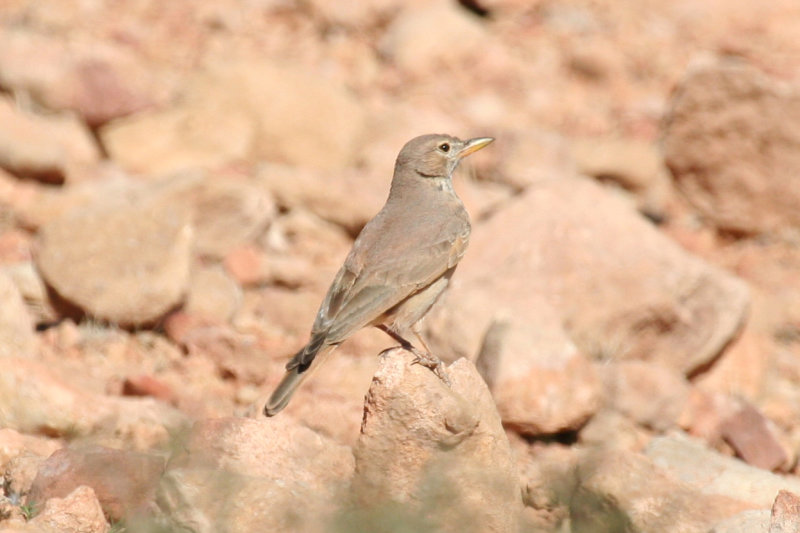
(432, 362)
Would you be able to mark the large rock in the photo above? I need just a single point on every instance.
(732, 141)
(541, 383)
(618, 288)
(49, 148)
(240, 109)
(125, 482)
(423, 444)
(242, 475)
(624, 491)
(125, 260)
(17, 337)
(715, 474)
(99, 80)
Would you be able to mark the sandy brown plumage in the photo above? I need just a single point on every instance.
(400, 263)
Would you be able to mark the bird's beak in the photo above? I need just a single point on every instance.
(473, 145)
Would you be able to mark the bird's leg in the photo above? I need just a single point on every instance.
(426, 358)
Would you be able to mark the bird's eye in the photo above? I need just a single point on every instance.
(444, 147)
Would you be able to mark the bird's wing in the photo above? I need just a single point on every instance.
(360, 294)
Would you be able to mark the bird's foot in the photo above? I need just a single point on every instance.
(429, 360)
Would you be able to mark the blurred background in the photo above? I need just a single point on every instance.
(180, 181)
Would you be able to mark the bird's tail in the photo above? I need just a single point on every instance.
(297, 370)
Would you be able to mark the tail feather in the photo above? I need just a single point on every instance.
(298, 369)
(284, 391)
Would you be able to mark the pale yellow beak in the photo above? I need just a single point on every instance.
(473, 145)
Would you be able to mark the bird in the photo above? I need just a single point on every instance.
(400, 264)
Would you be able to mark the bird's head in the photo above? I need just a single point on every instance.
(437, 155)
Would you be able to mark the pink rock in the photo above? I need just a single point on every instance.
(754, 439)
(785, 513)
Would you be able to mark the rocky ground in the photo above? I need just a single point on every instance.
(180, 180)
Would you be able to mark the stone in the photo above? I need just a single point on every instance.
(624, 491)
(244, 475)
(651, 394)
(422, 443)
(228, 213)
(17, 336)
(540, 382)
(99, 80)
(785, 516)
(124, 261)
(715, 474)
(731, 141)
(248, 265)
(432, 34)
(349, 201)
(213, 293)
(78, 511)
(754, 439)
(47, 148)
(615, 286)
(633, 164)
(125, 481)
(609, 428)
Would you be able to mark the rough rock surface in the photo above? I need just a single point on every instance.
(732, 143)
(244, 475)
(124, 262)
(422, 443)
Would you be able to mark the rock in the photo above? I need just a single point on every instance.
(785, 516)
(29, 390)
(191, 134)
(17, 336)
(349, 201)
(212, 293)
(243, 110)
(540, 382)
(548, 482)
(20, 472)
(705, 413)
(731, 141)
(50, 149)
(125, 481)
(77, 511)
(422, 442)
(124, 261)
(753, 521)
(715, 474)
(98, 80)
(755, 439)
(609, 428)
(633, 164)
(431, 34)
(625, 491)
(248, 265)
(228, 213)
(147, 385)
(650, 394)
(569, 250)
(524, 158)
(244, 475)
